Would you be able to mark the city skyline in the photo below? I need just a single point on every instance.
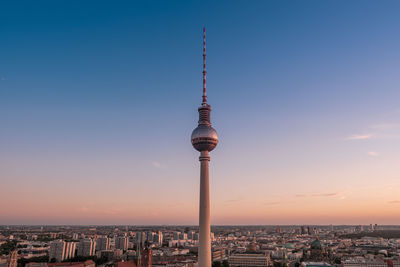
(97, 106)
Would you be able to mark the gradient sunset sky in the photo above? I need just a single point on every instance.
(98, 100)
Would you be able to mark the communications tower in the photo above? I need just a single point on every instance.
(204, 139)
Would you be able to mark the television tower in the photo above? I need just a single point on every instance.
(204, 139)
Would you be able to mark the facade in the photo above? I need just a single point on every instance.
(158, 238)
(61, 250)
(70, 248)
(249, 260)
(218, 254)
(88, 263)
(103, 243)
(57, 250)
(315, 264)
(146, 257)
(363, 263)
(87, 247)
(36, 264)
(121, 242)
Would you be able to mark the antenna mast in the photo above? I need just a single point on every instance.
(204, 68)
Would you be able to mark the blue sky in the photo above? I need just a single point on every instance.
(98, 100)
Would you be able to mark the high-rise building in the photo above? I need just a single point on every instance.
(158, 238)
(141, 238)
(121, 242)
(70, 248)
(61, 250)
(150, 236)
(191, 234)
(103, 243)
(57, 250)
(204, 139)
(86, 247)
(310, 230)
(183, 236)
(303, 230)
(176, 235)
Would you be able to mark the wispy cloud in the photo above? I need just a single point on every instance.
(157, 165)
(332, 194)
(325, 194)
(272, 203)
(394, 202)
(383, 130)
(360, 137)
(234, 200)
(373, 154)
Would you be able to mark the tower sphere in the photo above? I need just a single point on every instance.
(204, 138)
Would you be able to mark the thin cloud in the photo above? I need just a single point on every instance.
(272, 203)
(157, 165)
(317, 195)
(373, 154)
(325, 194)
(360, 137)
(394, 202)
(232, 200)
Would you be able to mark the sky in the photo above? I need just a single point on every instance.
(98, 100)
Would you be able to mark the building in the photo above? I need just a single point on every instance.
(36, 264)
(70, 248)
(218, 254)
(57, 250)
(125, 264)
(121, 242)
(61, 250)
(103, 243)
(361, 262)
(249, 260)
(158, 238)
(88, 263)
(317, 251)
(147, 254)
(315, 264)
(150, 236)
(176, 235)
(183, 236)
(86, 247)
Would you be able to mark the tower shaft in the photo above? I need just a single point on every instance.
(204, 212)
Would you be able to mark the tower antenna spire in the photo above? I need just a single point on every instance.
(204, 68)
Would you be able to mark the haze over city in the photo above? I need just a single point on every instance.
(98, 101)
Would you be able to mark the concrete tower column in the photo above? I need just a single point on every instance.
(204, 212)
